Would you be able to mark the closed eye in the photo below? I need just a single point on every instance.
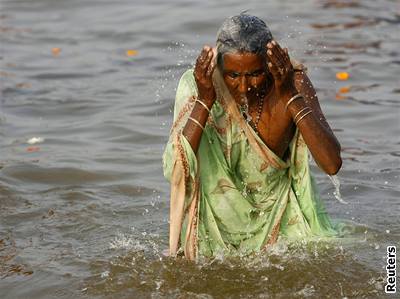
(233, 75)
(256, 73)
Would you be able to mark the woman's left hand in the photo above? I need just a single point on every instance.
(281, 69)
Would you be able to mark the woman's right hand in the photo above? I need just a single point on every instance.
(205, 65)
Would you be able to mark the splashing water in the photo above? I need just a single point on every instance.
(244, 108)
(336, 193)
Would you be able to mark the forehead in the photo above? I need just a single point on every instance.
(242, 61)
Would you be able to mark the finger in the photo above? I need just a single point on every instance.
(277, 51)
(274, 71)
(203, 55)
(275, 54)
(283, 52)
(200, 68)
(207, 63)
(289, 65)
(211, 65)
(273, 59)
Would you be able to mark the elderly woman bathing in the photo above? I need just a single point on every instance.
(237, 156)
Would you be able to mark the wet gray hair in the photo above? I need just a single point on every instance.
(242, 33)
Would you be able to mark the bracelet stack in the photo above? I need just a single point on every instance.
(301, 114)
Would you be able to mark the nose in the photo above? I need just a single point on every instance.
(242, 87)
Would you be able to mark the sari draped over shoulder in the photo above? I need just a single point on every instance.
(235, 195)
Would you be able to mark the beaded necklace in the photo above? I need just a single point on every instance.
(244, 110)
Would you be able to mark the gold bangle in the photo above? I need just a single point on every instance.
(293, 98)
(196, 122)
(203, 104)
(298, 113)
(304, 115)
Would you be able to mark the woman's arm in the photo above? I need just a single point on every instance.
(198, 118)
(304, 111)
(314, 128)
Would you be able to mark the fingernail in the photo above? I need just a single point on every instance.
(269, 52)
(269, 45)
(274, 42)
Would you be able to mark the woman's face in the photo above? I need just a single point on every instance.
(245, 75)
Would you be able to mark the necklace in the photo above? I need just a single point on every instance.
(244, 110)
(260, 107)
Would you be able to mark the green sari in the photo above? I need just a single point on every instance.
(236, 196)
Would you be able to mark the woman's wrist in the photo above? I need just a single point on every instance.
(207, 99)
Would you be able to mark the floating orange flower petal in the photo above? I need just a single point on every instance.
(130, 53)
(342, 76)
(344, 89)
(56, 51)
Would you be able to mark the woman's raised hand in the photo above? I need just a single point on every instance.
(281, 68)
(205, 65)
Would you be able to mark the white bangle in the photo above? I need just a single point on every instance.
(196, 122)
(295, 97)
(203, 104)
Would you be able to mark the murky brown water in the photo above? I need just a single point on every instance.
(84, 213)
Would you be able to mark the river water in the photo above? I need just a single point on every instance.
(84, 207)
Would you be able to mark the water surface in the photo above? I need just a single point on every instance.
(84, 214)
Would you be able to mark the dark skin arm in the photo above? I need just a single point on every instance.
(203, 75)
(316, 132)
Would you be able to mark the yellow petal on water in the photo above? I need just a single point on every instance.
(344, 89)
(342, 76)
(131, 53)
(56, 51)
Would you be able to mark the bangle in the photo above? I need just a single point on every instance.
(196, 122)
(301, 117)
(298, 113)
(295, 97)
(203, 104)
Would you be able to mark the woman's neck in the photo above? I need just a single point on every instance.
(262, 94)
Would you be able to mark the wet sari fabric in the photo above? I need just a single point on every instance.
(235, 196)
